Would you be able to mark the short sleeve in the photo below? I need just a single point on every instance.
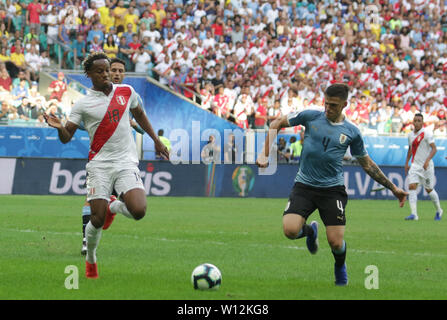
(76, 114)
(430, 138)
(357, 146)
(134, 99)
(140, 101)
(301, 117)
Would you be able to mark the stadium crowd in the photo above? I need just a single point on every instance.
(246, 61)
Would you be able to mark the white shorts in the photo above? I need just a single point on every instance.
(103, 178)
(425, 178)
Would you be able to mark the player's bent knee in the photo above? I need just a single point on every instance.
(139, 213)
(97, 222)
(290, 232)
(336, 243)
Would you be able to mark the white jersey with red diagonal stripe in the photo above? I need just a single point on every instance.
(420, 147)
(106, 119)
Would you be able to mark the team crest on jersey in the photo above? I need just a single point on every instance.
(121, 100)
(343, 138)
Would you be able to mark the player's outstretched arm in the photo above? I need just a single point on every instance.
(374, 172)
(141, 118)
(276, 125)
(65, 133)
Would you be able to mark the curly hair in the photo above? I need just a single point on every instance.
(92, 57)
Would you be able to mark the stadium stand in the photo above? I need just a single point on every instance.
(246, 61)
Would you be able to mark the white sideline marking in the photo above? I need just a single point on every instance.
(422, 254)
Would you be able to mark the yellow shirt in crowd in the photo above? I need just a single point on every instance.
(18, 59)
(133, 19)
(108, 48)
(106, 20)
(118, 20)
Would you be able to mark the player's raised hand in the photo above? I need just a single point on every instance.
(401, 195)
(53, 121)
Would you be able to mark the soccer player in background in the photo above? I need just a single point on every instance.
(117, 71)
(421, 150)
(113, 160)
(319, 183)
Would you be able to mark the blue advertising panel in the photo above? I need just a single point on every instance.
(162, 178)
(54, 176)
(245, 181)
(41, 142)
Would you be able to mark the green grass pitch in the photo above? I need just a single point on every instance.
(153, 258)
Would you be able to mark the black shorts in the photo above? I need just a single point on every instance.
(330, 202)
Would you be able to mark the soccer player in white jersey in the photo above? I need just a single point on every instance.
(113, 161)
(421, 150)
(117, 71)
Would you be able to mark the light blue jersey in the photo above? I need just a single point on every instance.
(325, 144)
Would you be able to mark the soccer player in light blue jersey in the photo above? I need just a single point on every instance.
(319, 183)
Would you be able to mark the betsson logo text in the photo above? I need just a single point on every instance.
(63, 181)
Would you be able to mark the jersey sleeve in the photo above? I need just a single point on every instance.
(140, 101)
(301, 117)
(430, 138)
(357, 146)
(134, 99)
(76, 114)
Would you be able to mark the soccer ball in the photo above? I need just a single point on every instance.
(206, 276)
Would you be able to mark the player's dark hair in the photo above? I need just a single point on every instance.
(340, 90)
(118, 60)
(92, 57)
(419, 115)
(161, 132)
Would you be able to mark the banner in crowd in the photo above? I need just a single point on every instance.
(67, 177)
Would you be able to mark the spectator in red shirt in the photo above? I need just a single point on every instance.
(33, 12)
(190, 84)
(5, 81)
(363, 112)
(18, 44)
(135, 44)
(221, 104)
(351, 112)
(261, 114)
(58, 87)
(218, 28)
